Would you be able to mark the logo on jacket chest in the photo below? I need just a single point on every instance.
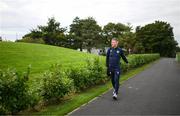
(117, 51)
(114, 52)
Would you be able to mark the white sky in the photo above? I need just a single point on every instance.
(17, 17)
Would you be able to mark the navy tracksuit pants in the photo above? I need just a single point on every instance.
(115, 75)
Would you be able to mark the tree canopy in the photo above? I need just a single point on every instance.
(157, 37)
(51, 33)
(85, 33)
(114, 30)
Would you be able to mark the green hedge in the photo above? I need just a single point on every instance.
(178, 56)
(14, 94)
(32, 40)
(89, 75)
(55, 83)
(137, 60)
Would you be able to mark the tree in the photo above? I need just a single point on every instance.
(52, 33)
(127, 41)
(0, 38)
(114, 30)
(177, 49)
(86, 32)
(157, 37)
(138, 48)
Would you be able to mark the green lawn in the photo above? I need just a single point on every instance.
(40, 57)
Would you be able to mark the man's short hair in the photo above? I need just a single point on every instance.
(114, 39)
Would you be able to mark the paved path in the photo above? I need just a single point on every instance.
(155, 91)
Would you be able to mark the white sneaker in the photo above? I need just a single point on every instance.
(115, 96)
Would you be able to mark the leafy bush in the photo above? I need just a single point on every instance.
(91, 74)
(136, 60)
(178, 57)
(55, 83)
(97, 72)
(14, 95)
(31, 40)
(80, 77)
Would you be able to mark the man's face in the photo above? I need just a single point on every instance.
(114, 43)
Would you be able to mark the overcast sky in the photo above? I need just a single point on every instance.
(17, 17)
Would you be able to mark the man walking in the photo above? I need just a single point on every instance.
(113, 56)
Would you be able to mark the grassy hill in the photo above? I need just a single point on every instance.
(39, 56)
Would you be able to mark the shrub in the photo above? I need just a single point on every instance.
(178, 56)
(14, 95)
(79, 76)
(136, 60)
(55, 83)
(96, 71)
(31, 40)
(91, 74)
